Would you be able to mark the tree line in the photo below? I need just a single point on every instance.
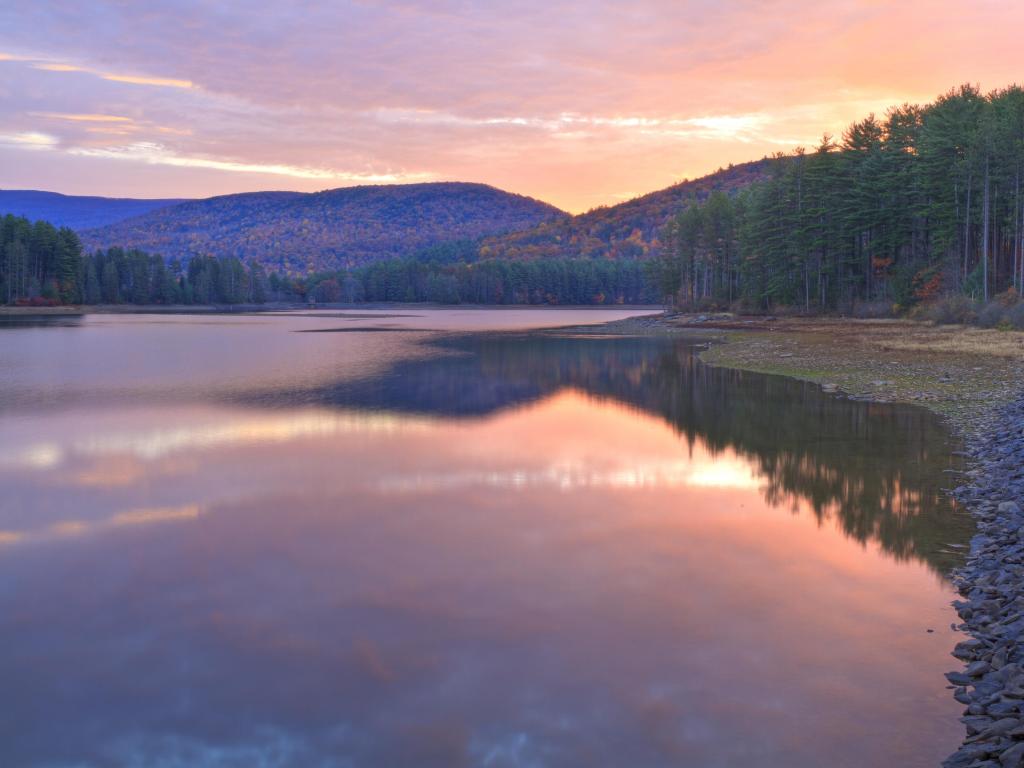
(489, 281)
(38, 261)
(924, 201)
(42, 265)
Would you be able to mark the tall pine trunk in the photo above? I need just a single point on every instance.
(1016, 228)
(967, 227)
(985, 234)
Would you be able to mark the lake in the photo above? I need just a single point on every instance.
(438, 537)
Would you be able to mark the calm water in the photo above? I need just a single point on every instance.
(383, 541)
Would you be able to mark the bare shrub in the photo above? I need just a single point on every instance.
(1015, 316)
(991, 315)
(952, 309)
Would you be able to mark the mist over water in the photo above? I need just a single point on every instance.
(229, 541)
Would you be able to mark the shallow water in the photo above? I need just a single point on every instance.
(224, 541)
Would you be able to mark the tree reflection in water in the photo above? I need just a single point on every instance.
(876, 469)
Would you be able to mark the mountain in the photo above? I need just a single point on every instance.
(297, 232)
(626, 230)
(75, 211)
(300, 232)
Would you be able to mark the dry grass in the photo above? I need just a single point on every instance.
(906, 335)
(959, 340)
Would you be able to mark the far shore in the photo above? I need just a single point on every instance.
(281, 306)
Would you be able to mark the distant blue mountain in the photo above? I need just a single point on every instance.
(75, 211)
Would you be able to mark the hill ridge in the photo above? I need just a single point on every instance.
(310, 231)
(629, 229)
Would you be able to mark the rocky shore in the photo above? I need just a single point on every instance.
(991, 583)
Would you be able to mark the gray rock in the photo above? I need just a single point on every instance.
(1013, 757)
(1000, 727)
(966, 755)
(959, 678)
(978, 668)
(976, 725)
(1004, 707)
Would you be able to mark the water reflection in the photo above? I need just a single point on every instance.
(491, 551)
(876, 469)
(24, 320)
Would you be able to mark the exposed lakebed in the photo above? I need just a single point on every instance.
(460, 543)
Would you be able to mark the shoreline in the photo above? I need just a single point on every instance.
(974, 380)
(963, 374)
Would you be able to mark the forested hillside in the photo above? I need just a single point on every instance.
(924, 201)
(75, 211)
(299, 233)
(627, 230)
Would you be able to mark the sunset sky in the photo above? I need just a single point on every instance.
(577, 103)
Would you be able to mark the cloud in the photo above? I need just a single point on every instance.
(157, 154)
(88, 118)
(568, 101)
(28, 140)
(165, 82)
(52, 66)
(49, 67)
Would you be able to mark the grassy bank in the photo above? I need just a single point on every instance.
(959, 372)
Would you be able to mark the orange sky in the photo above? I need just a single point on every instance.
(577, 103)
